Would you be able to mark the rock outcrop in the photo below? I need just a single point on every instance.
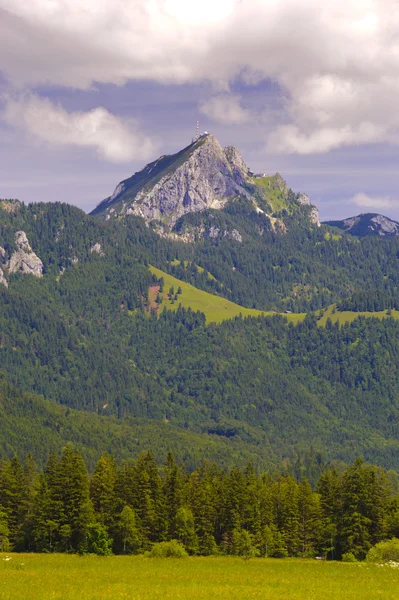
(238, 166)
(314, 215)
(96, 248)
(3, 280)
(24, 260)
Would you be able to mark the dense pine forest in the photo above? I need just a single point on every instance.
(126, 508)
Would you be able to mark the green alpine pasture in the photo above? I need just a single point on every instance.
(218, 309)
(347, 316)
(215, 308)
(72, 577)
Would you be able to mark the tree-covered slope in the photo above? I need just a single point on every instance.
(305, 268)
(82, 335)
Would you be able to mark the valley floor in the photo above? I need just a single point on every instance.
(71, 577)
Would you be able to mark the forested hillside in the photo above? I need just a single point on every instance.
(83, 335)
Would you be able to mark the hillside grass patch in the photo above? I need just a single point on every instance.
(218, 309)
(347, 316)
(215, 308)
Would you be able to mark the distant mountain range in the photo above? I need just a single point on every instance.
(367, 224)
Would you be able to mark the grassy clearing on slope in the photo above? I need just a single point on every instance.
(273, 196)
(61, 577)
(218, 309)
(215, 308)
(347, 316)
(334, 237)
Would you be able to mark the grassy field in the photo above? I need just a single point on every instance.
(70, 577)
(216, 308)
(348, 316)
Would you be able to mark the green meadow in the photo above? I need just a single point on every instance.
(215, 308)
(71, 577)
(348, 316)
(218, 309)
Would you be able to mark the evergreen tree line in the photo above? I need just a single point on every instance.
(127, 508)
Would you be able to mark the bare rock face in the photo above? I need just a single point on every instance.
(314, 216)
(200, 177)
(3, 280)
(96, 248)
(238, 166)
(24, 260)
(205, 180)
(303, 199)
(384, 226)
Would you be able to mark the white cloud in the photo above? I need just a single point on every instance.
(290, 139)
(336, 62)
(114, 139)
(225, 109)
(376, 202)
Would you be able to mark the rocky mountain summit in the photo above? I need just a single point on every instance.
(367, 224)
(200, 177)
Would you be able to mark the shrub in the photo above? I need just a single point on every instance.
(384, 551)
(172, 549)
(349, 557)
(98, 541)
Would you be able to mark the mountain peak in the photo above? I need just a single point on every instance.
(201, 176)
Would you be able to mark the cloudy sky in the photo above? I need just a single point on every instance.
(91, 90)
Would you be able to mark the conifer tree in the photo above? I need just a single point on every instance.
(149, 501)
(203, 503)
(310, 519)
(329, 488)
(288, 517)
(103, 491)
(173, 490)
(356, 522)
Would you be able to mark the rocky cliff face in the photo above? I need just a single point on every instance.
(368, 224)
(24, 260)
(202, 176)
(207, 177)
